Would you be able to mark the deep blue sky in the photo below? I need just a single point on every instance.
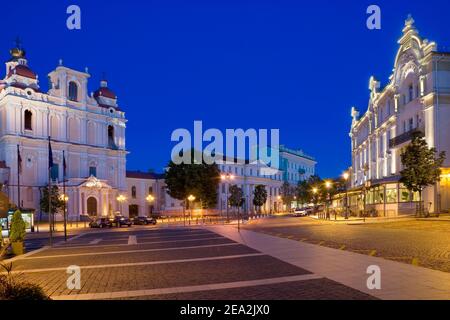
(294, 65)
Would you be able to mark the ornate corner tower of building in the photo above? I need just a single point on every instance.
(88, 129)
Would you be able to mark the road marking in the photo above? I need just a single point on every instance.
(131, 251)
(132, 240)
(140, 243)
(95, 241)
(140, 263)
(175, 290)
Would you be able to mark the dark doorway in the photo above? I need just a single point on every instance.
(92, 206)
(133, 210)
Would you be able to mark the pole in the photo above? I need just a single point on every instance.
(346, 203)
(50, 220)
(18, 178)
(64, 199)
(226, 203)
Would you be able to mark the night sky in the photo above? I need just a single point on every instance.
(297, 66)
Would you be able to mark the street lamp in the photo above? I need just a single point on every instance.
(346, 176)
(121, 198)
(191, 199)
(150, 198)
(65, 199)
(328, 187)
(227, 177)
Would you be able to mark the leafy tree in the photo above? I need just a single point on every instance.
(422, 166)
(56, 201)
(18, 232)
(200, 180)
(259, 196)
(303, 192)
(236, 198)
(287, 194)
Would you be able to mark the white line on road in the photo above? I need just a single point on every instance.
(132, 240)
(141, 243)
(175, 290)
(99, 266)
(95, 241)
(131, 251)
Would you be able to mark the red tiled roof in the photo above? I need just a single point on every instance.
(23, 71)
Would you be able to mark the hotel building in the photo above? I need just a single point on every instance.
(416, 99)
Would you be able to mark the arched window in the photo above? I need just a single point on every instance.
(133, 192)
(28, 120)
(73, 91)
(111, 142)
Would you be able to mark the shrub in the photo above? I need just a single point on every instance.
(13, 288)
(17, 228)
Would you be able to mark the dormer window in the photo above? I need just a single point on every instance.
(28, 120)
(73, 91)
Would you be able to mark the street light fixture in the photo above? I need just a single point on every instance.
(328, 187)
(121, 198)
(227, 177)
(346, 176)
(191, 199)
(150, 198)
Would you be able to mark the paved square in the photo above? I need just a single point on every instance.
(172, 263)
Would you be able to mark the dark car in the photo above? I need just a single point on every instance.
(120, 221)
(100, 223)
(144, 221)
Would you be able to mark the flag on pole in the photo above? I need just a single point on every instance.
(50, 154)
(64, 164)
(19, 160)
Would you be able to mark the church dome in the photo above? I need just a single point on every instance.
(22, 70)
(105, 92)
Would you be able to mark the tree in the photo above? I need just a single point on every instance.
(259, 197)
(236, 198)
(422, 166)
(56, 201)
(18, 232)
(303, 192)
(287, 194)
(200, 180)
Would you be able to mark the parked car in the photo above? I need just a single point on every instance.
(144, 221)
(120, 221)
(100, 223)
(300, 212)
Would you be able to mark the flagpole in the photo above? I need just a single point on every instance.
(50, 164)
(64, 195)
(19, 164)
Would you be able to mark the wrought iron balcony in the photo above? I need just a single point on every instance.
(406, 137)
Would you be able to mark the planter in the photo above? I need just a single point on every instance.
(17, 248)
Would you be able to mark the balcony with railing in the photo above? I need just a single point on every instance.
(406, 137)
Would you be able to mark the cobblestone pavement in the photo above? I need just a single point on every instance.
(423, 243)
(172, 263)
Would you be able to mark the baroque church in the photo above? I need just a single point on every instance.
(89, 129)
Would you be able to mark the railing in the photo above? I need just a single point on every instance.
(405, 137)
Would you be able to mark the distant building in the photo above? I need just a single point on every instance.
(416, 99)
(296, 165)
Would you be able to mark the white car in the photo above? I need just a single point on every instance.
(300, 212)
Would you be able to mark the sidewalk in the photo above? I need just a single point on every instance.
(398, 280)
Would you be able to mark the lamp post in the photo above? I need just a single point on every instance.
(191, 199)
(279, 198)
(346, 176)
(328, 187)
(121, 198)
(65, 199)
(150, 198)
(227, 178)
